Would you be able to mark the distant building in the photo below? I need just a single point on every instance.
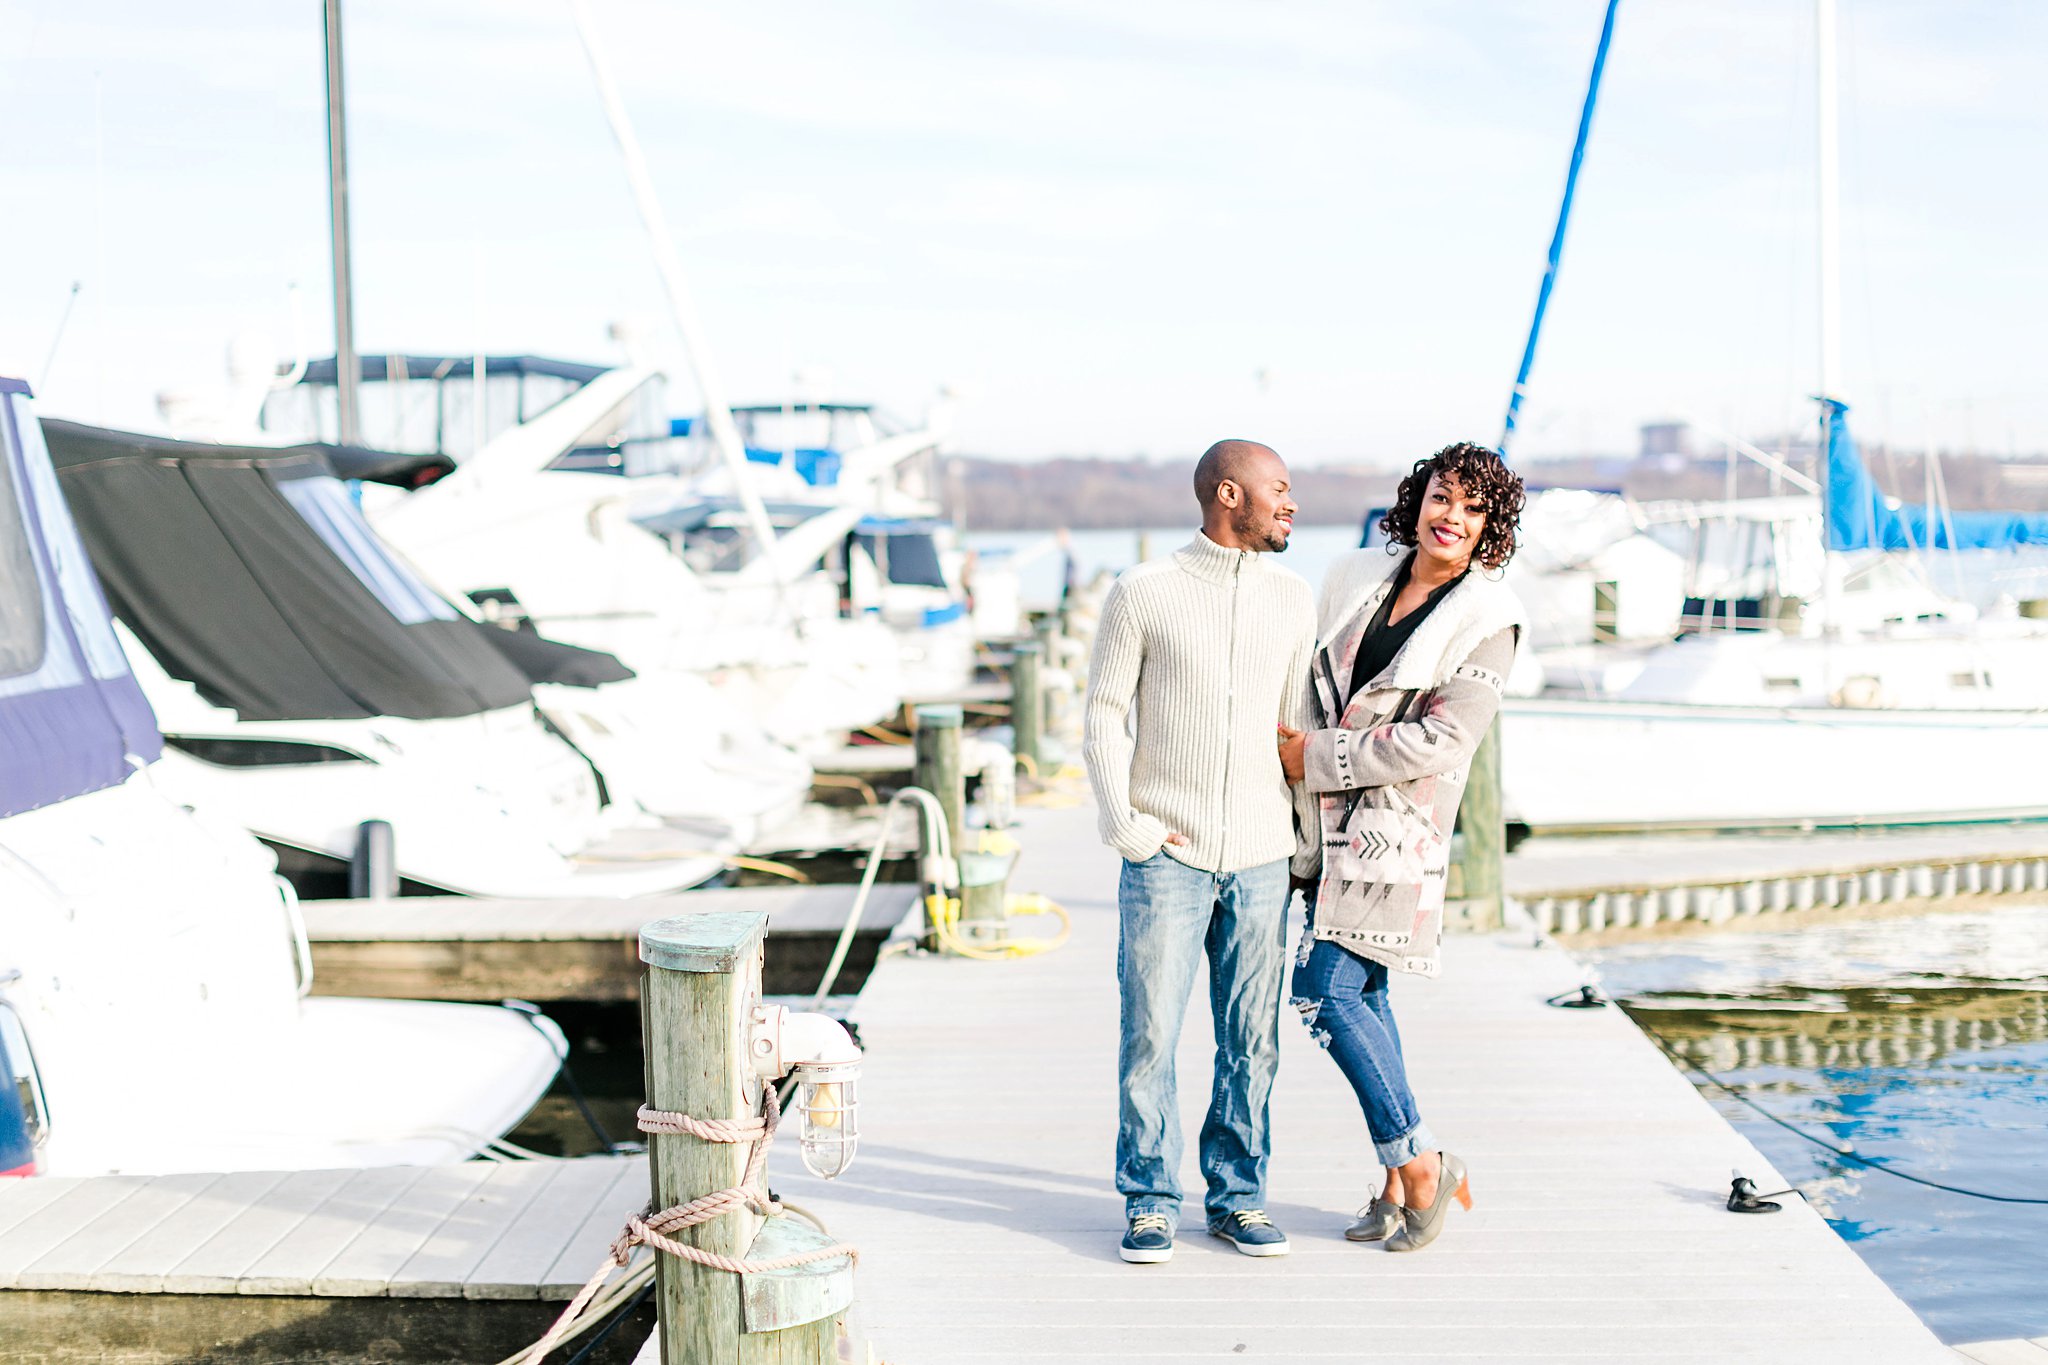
(1666, 438)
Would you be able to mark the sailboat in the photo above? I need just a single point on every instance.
(154, 970)
(1773, 709)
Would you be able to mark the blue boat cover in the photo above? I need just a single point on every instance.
(72, 718)
(815, 465)
(1860, 517)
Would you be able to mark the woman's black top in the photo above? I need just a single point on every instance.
(1381, 641)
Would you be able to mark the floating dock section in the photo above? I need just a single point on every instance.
(1612, 885)
(462, 948)
(466, 1262)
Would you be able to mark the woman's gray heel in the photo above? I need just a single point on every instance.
(1377, 1221)
(1419, 1227)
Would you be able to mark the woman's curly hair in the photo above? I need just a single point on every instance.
(1480, 474)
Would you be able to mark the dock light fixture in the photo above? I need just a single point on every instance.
(818, 1053)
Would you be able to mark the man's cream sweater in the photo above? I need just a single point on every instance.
(1211, 646)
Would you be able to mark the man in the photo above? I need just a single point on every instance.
(1211, 645)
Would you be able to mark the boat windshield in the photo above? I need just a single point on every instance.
(325, 505)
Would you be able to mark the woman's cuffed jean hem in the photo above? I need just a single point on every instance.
(1407, 1147)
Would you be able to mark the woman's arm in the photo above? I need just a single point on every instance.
(1446, 734)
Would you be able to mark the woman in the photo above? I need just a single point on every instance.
(1406, 682)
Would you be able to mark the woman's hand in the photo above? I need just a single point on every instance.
(1292, 753)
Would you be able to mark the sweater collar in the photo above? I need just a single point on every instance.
(1204, 558)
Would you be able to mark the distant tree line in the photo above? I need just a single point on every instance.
(1083, 493)
(1013, 495)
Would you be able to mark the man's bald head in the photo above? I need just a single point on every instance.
(1238, 462)
(1245, 495)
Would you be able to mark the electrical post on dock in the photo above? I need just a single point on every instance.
(937, 770)
(1046, 628)
(713, 1049)
(1474, 891)
(1055, 706)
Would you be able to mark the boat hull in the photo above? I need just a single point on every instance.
(1595, 767)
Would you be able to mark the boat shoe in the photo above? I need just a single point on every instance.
(1252, 1232)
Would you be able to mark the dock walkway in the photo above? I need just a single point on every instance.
(982, 1203)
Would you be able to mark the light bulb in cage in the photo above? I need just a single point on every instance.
(821, 1056)
(827, 1100)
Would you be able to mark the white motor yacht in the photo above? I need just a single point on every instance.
(154, 971)
(315, 691)
(859, 496)
(526, 525)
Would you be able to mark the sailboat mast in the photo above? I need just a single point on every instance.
(1828, 184)
(347, 377)
(1564, 218)
(1828, 260)
(717, 415)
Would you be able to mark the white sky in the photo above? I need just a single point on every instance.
(1101, 221)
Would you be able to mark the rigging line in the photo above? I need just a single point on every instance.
(1868, 1163)
(1564, 215)
(57, 339)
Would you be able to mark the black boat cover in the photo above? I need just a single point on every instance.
(250, 573)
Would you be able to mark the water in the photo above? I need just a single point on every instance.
(1979, 577)
(1310, 550)
(1920, 1043)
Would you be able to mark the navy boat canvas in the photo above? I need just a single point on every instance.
(72, 717)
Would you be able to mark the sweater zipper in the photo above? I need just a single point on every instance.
(1229, 713)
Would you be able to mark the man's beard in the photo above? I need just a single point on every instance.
(1264, 535)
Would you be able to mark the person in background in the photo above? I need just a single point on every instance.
(1406, 682)
(1197, 657)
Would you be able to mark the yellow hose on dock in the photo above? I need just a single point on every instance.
(944, 912)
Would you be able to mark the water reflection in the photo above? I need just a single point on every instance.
(1918, 1043)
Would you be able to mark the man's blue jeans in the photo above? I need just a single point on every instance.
(1343, 999)
(1172, 917)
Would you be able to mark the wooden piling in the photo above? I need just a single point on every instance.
(1473, 891)
(703, 979)
(1027, 705)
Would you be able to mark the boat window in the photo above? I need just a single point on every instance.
(911, 560)
(21, 596)
(76, 585)
(228, 752)
(327, 508)
(26, 1081)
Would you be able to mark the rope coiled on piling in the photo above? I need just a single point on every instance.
(657, 1229)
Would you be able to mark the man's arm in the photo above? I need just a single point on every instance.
(1440, 740)
(1107, 747)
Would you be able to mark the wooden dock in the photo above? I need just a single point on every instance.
(461, 1262)
(2020, 1351)
(983, 1205)
(1623, 886)
(461, 948)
